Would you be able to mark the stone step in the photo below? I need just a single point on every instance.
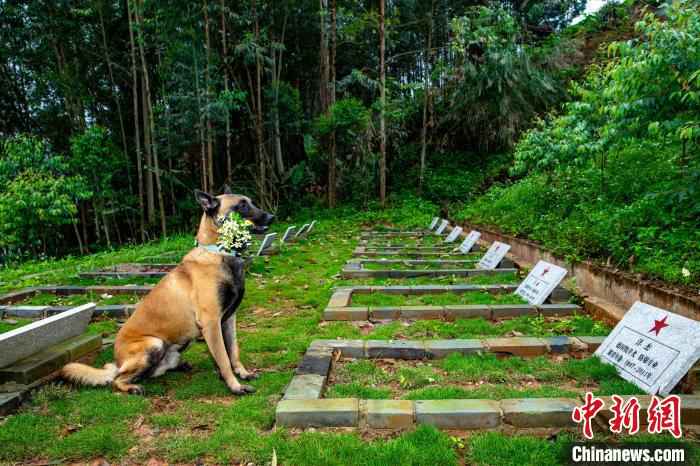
(49, 360)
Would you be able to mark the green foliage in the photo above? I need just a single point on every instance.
(616, 176)
(497, 89)
(36, 195)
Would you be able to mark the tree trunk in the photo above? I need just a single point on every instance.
(105, 50)
(202, 144)
(151, 128)
(426, 99)
(77, 235)
(137, 137)
(332, 175)
(262, 182)
(224, 51)
(382, 103)
(148, 145)
(210, 144)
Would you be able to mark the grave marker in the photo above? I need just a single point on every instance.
(434, 223)
(454, 234)
(493, 256)
(266, 242)
(442, 227)
(311, 227)
(652, 348)
(288, 234)
(469, 242)
(301, 231)
(540, 282)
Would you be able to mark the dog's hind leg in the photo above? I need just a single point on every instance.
(143, 358)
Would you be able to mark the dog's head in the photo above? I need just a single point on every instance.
(216, 206)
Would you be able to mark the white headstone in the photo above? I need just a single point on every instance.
(540, 282)
(442, 227)
(469, 241)
(311, 227)
(652, 348)
(493, 256)
(288, 234)
(266, 242)
(302, 230)
(454, 234)
(434, 223)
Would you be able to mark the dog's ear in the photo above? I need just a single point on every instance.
(227, 189)
(208, 202)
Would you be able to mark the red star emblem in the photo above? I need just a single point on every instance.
(544, 272)
(658, 325)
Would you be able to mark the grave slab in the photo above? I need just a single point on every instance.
(346, 313)
(422, 312)
(538, 412)
(32, 338)
(339, 412)
(316, 361)
(49, 360)
(305, 387)
(396, 349)
(389, 414)
(558, 310)
(340, 298)
(438, 349)
(9, 402)
(591, 343)
(385, 313)
(348, 348)
(517, 346)
(459, 414)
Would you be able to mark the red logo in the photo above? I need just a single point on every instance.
(662, 415)
(659, 325)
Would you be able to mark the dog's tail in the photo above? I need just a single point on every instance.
(83, 374)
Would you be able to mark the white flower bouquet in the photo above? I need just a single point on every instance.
(234, 233)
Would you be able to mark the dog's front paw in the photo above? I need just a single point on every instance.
(245, 375)
(243, 390)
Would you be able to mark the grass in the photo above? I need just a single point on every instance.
(13, 323)
(190, 417)
(437, 299)
(498, 279)
(476, 376)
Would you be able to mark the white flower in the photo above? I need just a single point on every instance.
(685, 272)
(234, 233)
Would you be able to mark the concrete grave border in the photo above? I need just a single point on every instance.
(340, 305)
(39, 335)
(302, 405)
(355, 269)
(114, 272)
(66, 290)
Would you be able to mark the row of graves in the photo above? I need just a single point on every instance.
(504, 381)
(45, 337)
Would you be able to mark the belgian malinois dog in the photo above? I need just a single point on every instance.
(198, 297)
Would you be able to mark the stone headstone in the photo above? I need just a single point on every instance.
(454, 234)
(32, 338)
(288, 233)
(311, 227)
(442, 227)
(266, 242)
(434, 223)
(540, 282)
(302, 231)
(469, 242)
(493, 256)
(652, 348)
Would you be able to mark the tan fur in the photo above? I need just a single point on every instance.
(182, 306)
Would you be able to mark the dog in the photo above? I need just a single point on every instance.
(199, 297)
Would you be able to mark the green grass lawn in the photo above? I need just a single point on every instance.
(12, 323)
(436, 299)
(410, 266)
(475, 376)
(498, 279)
(189, 417)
